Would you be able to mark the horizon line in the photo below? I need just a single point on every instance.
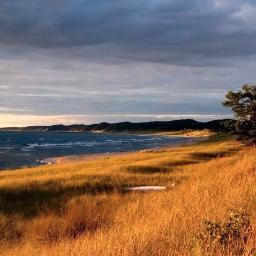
(12, 120)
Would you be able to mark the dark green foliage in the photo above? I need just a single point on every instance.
(233, 233)
(224, 125)
(243, 104)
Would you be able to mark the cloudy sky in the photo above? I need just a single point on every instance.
(84, 61)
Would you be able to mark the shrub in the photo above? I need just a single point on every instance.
(229, 237)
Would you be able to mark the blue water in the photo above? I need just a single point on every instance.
(20, 149)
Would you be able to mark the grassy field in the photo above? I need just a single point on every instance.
(190, 133)
(185, 133)
(79, 208)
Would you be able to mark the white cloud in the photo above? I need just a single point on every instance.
(246, 13)
(222, 3)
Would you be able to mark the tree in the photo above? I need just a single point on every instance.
(243, 104)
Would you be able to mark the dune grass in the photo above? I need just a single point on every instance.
(189, 132)
(79, 208)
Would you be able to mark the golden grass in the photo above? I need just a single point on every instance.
(79, 208)
(190, 133)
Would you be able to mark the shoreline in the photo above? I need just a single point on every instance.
(188, 137)
(178, 133)
(96, 156)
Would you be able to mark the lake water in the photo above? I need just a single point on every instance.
(20, 149)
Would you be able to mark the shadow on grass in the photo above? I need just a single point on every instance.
(179, 163)
(146, 169)
(36, 199)
(30, 201)
(169, 166)
(206, 156)
(164, 167)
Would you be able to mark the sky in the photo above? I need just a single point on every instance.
(87, 61)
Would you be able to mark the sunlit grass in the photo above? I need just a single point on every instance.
(79, 208)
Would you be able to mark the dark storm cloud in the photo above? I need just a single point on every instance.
(177, 31)
(112, 60)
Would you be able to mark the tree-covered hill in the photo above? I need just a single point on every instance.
(154, 126)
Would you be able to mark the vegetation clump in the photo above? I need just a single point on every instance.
(243, 104)
(231, 235)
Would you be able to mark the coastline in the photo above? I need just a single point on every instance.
(129, 191)
(99, 156)
(185, 133)
(163, 140)
(178, 133)
(181, 133)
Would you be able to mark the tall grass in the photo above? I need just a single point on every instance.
(79, 208)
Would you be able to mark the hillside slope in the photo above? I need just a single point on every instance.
(79, 208)
(175, 125)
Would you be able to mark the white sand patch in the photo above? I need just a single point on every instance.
(146, 188)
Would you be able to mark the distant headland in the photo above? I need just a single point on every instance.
(222, 125)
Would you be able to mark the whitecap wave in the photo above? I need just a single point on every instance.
(86, 144)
